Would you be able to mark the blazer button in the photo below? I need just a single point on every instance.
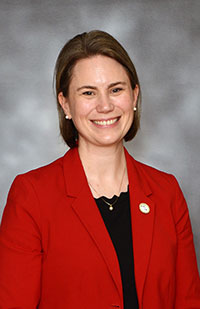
(144, 208)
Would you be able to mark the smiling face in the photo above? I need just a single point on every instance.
(100, 101)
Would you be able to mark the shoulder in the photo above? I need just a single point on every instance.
(163, 188)
(151, 173)
(49, 179)
(44, 173)
(154, 180)
(42, 179)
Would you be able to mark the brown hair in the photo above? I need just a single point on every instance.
(82, 46)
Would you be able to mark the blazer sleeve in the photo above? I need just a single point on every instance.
(187, 276)
(20, 248)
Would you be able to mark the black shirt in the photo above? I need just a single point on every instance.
(118, 224)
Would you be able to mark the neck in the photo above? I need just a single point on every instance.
(102, 160)
(104, 168)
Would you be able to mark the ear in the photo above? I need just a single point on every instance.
(135, 95)
(64, 104)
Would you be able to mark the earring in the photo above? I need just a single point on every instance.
(66, 117)
(135, 108)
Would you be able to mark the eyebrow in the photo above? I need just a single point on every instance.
(93, 87)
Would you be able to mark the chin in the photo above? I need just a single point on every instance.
(109, 142)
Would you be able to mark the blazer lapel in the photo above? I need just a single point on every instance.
(142, 223)
(88, 213)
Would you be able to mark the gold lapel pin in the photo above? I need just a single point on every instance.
(144, 208)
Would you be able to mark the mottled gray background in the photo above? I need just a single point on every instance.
(163, 39)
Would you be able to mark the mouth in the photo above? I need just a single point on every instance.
(107, 122)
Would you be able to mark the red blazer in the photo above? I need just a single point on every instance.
(56, 253)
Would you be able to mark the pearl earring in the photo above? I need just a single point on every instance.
(66, 117)
(135, 108)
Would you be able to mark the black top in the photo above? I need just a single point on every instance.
(118, 224)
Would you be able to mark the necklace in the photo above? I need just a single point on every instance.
(117, 197)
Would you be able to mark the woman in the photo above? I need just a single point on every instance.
(95, 228)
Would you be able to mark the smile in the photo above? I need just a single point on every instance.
(106, 122)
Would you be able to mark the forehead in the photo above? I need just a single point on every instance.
(98, 68)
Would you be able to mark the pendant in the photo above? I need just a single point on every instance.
(111, 208)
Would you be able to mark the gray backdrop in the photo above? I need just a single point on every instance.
(163, 40)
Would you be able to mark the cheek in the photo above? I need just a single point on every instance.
(128, 110)
(127, 101)
(127, 104)
(80, 110)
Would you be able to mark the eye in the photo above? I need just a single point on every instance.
(116, 90)
(88, 93)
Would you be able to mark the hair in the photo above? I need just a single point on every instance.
(83, 46)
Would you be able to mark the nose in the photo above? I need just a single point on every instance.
(104, 104)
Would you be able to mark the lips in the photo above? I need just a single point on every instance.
(106, 122)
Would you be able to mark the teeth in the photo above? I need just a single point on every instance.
(105, 122)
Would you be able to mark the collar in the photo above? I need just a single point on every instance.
(75, 178)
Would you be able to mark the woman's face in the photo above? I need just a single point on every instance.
(100, 101)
